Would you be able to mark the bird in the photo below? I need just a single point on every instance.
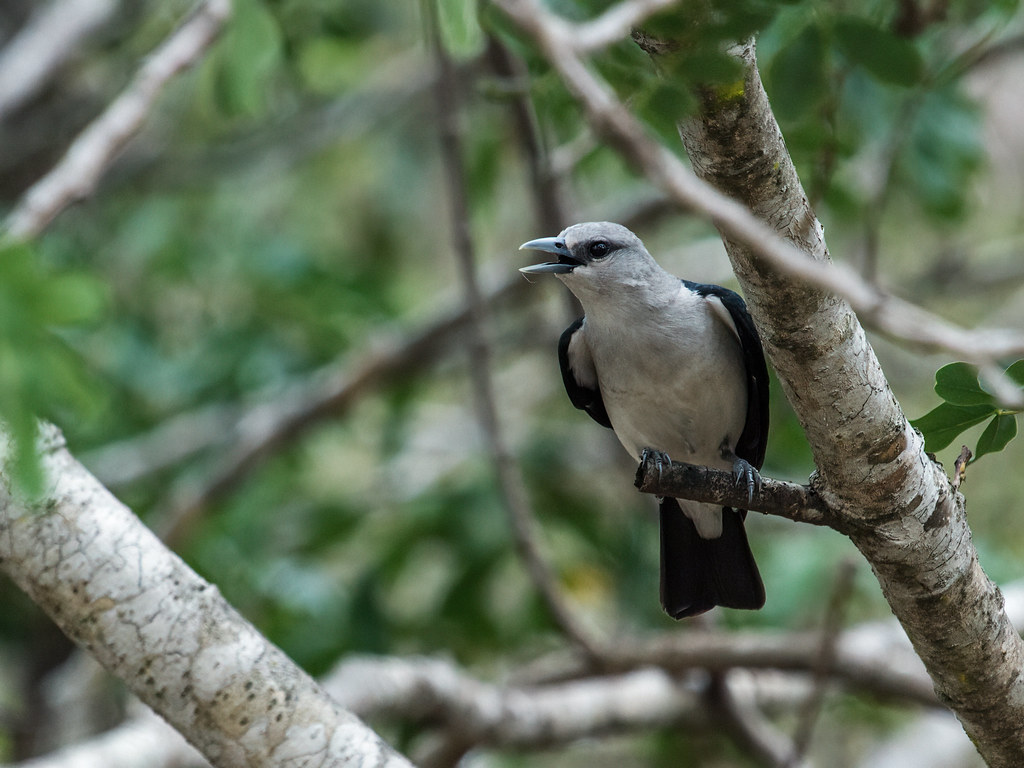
(676, 369)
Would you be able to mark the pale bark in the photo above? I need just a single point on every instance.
(894, 502)
(114, 589)
(891, 499)
(92, 152)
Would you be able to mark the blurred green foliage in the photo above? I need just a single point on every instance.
(283, 212)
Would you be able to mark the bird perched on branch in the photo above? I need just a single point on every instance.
(676, 369)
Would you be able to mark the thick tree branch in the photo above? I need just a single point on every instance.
(872, 470)
(762, 669)
(114, 589)
(81, 168)
(898, 505)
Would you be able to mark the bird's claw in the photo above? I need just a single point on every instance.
(659, 459)
(746, 474)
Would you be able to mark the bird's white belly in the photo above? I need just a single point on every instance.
(678, 396)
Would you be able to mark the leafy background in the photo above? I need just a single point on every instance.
(283, 211)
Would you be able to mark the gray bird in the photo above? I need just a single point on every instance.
(676, 369)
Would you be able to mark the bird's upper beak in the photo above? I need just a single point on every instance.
(554, 245)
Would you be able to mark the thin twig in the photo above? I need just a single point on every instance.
(617, 22)
(510, 482)
(775, 497)
(748, 726)
(546, 183)
(825, 661)
(92, 152)
(960, 466)
(884, 666)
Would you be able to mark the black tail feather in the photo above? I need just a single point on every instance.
(698, 574)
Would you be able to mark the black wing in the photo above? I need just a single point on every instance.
(583, 397)
(754, 440)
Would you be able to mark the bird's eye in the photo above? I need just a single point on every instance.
(598, 249)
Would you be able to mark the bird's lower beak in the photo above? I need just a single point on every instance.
(552, 245)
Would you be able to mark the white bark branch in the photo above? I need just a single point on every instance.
(92, 152)
(616, 23)
(44, 45)
(114, 589)
(765, 671)
(896, 504)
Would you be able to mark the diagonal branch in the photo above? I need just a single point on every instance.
(616, 23)
(112, 587)
(872, 470)
(268, 427)
(886, 313)
(92, 152)
(44, 45)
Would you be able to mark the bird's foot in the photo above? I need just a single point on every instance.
(650, 457)
(746, 474)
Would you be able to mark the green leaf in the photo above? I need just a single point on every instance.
(245, 59)
(1016, 372)
(957, 383)
(943, 424)
(1000, 431)
(40, 375)
(460, 28)
(944, 152)
(798, 75)
(72, 299)
(664, 105)
(887, 57)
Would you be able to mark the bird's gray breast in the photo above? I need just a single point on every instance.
(671, 378)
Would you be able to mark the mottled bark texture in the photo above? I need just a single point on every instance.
(895, 503)
(118, 592)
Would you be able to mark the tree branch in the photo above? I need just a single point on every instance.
(44, 45)
(872, 469)
(506, 468)
(91, 153)
(114, 589)
(616, 23)
(872, 659)
(612, 121)
(715, 486)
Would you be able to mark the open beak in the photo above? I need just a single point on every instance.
(554, 246)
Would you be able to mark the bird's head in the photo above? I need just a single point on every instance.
(593, 257)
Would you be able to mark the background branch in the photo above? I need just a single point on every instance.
(113, 588)
(506, 469)
(267, 428)
(91, 153)
(44, 45)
